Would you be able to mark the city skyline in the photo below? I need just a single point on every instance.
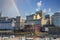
(29, 19)
(13, 8)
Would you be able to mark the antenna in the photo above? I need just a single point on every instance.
(0, 13)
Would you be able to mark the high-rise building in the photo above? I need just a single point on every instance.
(37, 18)
(56, 19)
(49, 19)
(8, 25)
(18, 22)
(22, 23)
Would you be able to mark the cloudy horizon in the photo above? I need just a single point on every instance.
(13, 8)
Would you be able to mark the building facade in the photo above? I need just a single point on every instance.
(37, 18)
(56, 19)
(18, 22)
(7, 24)
(49, 19)
(22, 23)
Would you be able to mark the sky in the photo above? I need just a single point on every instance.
(13, 8)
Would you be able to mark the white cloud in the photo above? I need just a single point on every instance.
(32, 13)
(37, 9)
(58, 11)
(39, 4)
(49, 10)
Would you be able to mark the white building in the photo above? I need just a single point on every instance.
(22, 22)
(56, 19)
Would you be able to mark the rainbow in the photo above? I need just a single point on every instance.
(14, 4)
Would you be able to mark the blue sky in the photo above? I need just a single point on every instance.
(13, 8)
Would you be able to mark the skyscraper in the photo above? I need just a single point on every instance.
(56, 19)
(18, 22)
(37, 18)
